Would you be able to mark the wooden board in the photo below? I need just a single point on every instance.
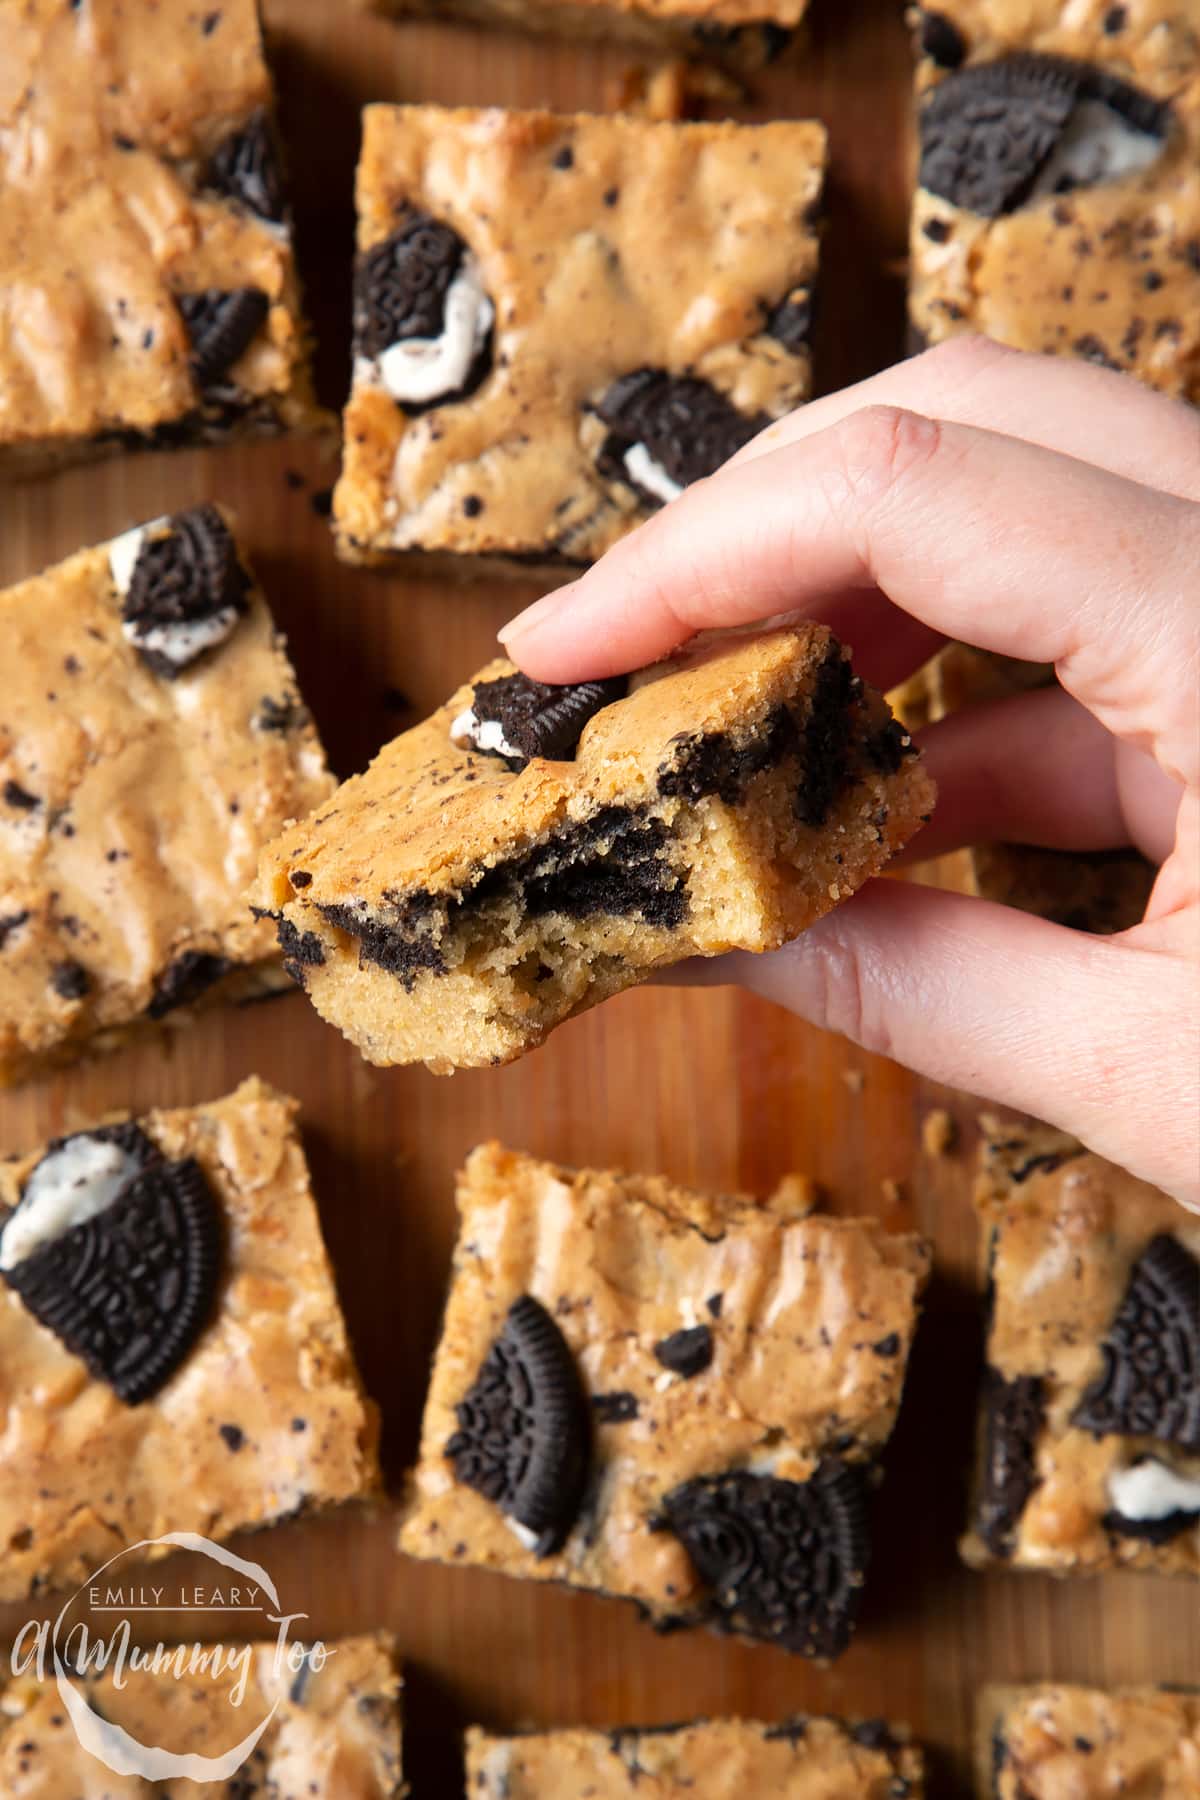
(712, 1088)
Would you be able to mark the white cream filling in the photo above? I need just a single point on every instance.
(423, 369)
(124, 551)
(67, 1188)
(1150, 1490)
(470, 732)
(1097, 145)
(641, 467)
(527, 1539)
(184, 639)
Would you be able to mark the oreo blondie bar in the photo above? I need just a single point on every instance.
(334, 1727)
(560, 322)
(1089, 1441)
(715, 1759)
(1047, 1741)
(1058, 201)
(172, 1356)
(529, 851)
(666, 1396)
(152, 739)
(148, 294)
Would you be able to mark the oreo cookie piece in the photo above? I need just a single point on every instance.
(183, 588)
(998, 134)
(245, 168)
(517, 719)
(666, 431)
(524, 1430)
(221, 323)
(185, 980)
(941, 40)
(421, 314)
(790, 322)
(1014, 1412)
(688, 1352)
(117, 1251)
(1149, 1385)
(785, 1560)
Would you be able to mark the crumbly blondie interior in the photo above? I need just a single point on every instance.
(445, 908)
(1046, 1741)
(800, 1758)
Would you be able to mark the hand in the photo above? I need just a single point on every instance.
(1045, 509)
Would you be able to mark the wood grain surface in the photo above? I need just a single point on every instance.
(710, 1087)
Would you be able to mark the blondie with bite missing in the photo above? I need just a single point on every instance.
(1058, 199)
(152, 739)
(529, 851)
(801, 1758)
(148, 294)
(1045, 1741)
(561, 321)
(666, 1396)
(172, 1355)
(1089, 1435)
(333, 1730)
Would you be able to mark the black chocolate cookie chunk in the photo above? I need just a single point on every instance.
(184, 576)
(524, 1429)
(785, 1560)
(246, 168)
(221, 323)
(185, 980)
(1013, 1415)
(988, 130)
(685, 425)
(790, 323)
(1150, 1383)
(941, 40)
(538, 719)
(687, 1352)
(400, 288)
(129, 1290)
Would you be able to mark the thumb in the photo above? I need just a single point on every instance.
(1070, 1028)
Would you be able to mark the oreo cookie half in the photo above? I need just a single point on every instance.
(117, 1252)
(221, 323)
(997, 134)
(666, 431)
(785, 1560)
(517, 719)
(1013, 1415)
(524, 1430)
(245, 168)
(421, 314)
(182, 587)
(1149, 1385)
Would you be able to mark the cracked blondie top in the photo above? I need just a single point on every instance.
(529, 851)
(152, 739)
(147, 289)
(335, 1730)
(1089, 1441)
(1058, 200)
(1046, 1742)
(172, 1356)
(674, 1397)
(715, 1759)
(561, 321)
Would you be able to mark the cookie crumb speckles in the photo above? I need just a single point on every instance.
(422, 318)
(70, 981)
(232, 1436)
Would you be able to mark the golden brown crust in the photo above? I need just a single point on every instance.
(396, 856)
(1110, 272)
(1046, 1741)
(334, 1731)
(108, 116)
(660, 245)
(1062, 1231)
(151, 800)
(714, 1759)
(81, 1473)
(622, 1262)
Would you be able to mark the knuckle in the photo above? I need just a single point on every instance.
(880, 448)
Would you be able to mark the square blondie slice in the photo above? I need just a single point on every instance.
(802, 1758)
(334, 1719)
(667, 1396)
(1058, 196)
(172, 1355)
(529, 851)
(1089, 1437)
(1045, 1741)
(560, 321)
(152, 740)
(148, 294)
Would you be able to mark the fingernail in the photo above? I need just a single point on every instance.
(535, 615)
